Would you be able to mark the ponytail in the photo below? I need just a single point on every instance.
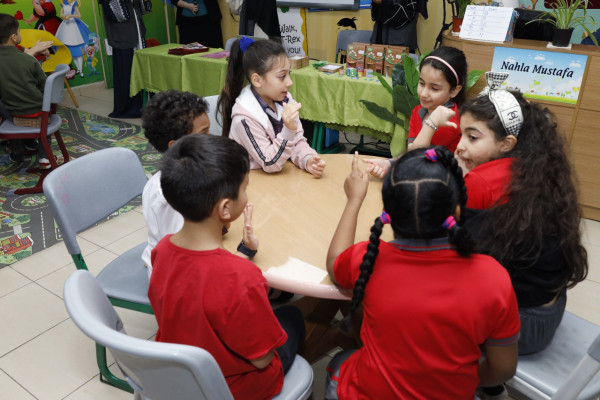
(366, 268)
(234, 83)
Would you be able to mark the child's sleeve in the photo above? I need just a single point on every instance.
(270, 155)
(508, 322)
(39, 76)
(347, 265)
(414, 125)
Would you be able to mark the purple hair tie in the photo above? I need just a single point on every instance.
(385, 218)
(245, 42)
(431, 155)
(449, 223)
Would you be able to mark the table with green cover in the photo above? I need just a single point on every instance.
(333, 99)
(155, 70)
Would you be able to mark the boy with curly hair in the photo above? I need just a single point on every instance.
(167, 117)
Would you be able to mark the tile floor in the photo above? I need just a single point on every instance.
(44, 356)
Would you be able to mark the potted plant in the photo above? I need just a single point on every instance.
(566, 15)
(459, 7)
(405, 80)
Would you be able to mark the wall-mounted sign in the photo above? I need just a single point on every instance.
(544, 75)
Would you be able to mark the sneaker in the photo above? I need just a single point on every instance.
(30, 144)
(16, 157)
(44, 163)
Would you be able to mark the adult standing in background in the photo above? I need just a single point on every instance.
(396, 22)
(126, 32)
(199, 21)
(259, 18)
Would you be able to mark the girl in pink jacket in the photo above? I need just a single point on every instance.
(262, 116)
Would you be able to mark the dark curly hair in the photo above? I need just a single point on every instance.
(170, 115)
(419, 195)
(541, 200)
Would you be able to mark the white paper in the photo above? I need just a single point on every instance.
(299, 271)
(486, 23)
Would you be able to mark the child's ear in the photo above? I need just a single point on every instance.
(454, 92)
(223, 208)
(508, 143)
(256, 79)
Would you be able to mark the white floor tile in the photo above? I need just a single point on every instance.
(96, 390)
(584, 301)
(53, 364)
(123, 225)
(26, 313)
(591, 231)
(11, 280)
(12, 390)
(122, 245)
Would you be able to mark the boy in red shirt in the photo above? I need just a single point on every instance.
(201, 294)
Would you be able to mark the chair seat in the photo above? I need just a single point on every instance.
(298, 381)
(126, 277)
(8, 128)
(548, 369)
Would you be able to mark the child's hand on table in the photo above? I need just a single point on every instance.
(290, 114)
(356, 183)
(315, 165)
(377, 167)
(250, 239)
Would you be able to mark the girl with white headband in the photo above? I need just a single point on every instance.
(520, 180)
(441, 90)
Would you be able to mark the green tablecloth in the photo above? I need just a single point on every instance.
(330, 99)
(155, 70)
(334, 100)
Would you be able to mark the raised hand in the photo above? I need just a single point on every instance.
(357, 183)
(290, 114)
(250, 239)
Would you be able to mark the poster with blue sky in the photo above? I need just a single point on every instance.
(544, 75)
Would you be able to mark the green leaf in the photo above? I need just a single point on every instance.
(473, 77)
(398, 75)
(382, 112)
(383, 82)
(411, 73)
(398, 143)
(403, 101)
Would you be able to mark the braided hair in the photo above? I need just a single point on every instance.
(420, 191)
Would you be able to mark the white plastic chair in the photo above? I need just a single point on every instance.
(566, 369)
(216, 127)
(160, 371)
(84, 192)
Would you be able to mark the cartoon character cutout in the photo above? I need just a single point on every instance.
(73, 32)
(44, 13)
(90, 50)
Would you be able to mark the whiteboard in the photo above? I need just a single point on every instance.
(328, 4)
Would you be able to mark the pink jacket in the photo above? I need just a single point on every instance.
(250, 127)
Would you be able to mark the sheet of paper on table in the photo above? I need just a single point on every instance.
(298, 270)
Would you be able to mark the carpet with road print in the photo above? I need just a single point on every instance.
(26, 222)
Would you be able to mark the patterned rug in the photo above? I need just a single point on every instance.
(26, 222)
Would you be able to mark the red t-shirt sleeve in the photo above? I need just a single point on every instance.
(508, 322)
(445, 136)
(414, 125)
(249, 328)
(347, 265)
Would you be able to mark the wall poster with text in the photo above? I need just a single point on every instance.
(544, 75)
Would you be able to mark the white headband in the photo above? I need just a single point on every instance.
(506, 104)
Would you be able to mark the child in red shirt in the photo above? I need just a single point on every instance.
(429, 305)
(201, 294)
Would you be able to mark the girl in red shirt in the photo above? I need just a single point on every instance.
(428, 304)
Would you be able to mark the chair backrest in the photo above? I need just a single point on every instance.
(216, 127)
(347, 36)
(229, 43)
(88, 189)
(157, 371)
(53, 90)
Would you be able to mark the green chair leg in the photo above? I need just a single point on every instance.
(106, 376)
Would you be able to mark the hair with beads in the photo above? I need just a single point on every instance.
(420, 191)
(542, 197)
(260, 57)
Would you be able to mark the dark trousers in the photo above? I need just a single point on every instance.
(291, 320)
(124, 106)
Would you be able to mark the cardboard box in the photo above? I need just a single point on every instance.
(393, 56)
(331, 68)
(361, 49)
(355, 55)
(374, 57)
(297, 62)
